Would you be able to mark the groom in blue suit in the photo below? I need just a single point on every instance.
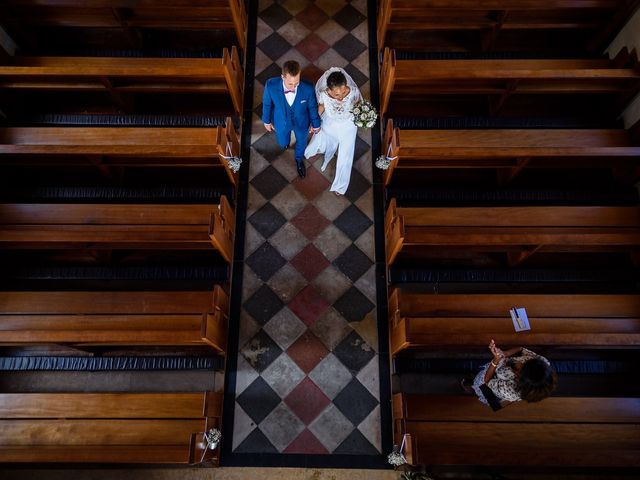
(289, 104)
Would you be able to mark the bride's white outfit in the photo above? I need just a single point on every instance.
(338, 132)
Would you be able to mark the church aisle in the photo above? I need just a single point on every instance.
(308, 378)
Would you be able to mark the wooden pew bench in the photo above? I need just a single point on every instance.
(501, 79)
(118, 226)
(517, 231)
(107, 147)
(107, 427)
(121, 75)
(508, 150)
(80, 319)
(25, 15)
(491, 18)
(559, 431)
(424, 320)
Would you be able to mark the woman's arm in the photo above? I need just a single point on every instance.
(491, 371)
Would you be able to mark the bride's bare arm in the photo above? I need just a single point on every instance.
(320, 109)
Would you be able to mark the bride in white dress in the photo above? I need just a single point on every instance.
(337, 93)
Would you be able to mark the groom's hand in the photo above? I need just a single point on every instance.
(314, 130)
(269, 127)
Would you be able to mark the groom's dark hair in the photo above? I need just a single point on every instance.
(291, 67)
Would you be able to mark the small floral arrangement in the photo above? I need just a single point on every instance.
(396, 459)
(364, 114)
(212, 438)
(383, 162)
(234, 163)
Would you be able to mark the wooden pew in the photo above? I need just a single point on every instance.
(559, 431)
(115, 318)
(508, 150)
(424, 320)
(129, 16)
(118, 226)
(413, 79)
(105, 147)
(107, 427)
(121, 75)
(517, 231)
(491, 18)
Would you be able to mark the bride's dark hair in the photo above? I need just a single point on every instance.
(336, 79)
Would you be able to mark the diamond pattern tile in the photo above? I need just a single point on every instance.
(263, 304)
(356, 444)
(285, 328)
(331, 284)
(265, 261)
(354, 352)
(274, 46)
(256, 442)
(332, 242)
(308, 305)
(331, 328)
(293, 31)
(306, 443)
(275, 16)
(331, 376)
(289, 202)
(331, 7)
(258, 400)
(331, 427)
(268, 147)
(353, 222)
(349, 17)
(310, 262)
(312, 17)
(269, 182)
(281, 427)
(349, 47)
(260, 351)
(267, 220)
(272, 70)
(353, 263)
(355, 402)
(307, 401)
(283, 375)
(286, 283)
(312, 46)
(307, 379)
(289, 241)
(353, 305)
(358, 77)
(312, 185)
(310, 222)
(358, 185)
(307, 352)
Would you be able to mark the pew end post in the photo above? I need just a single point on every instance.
(391, 145)
(394, 232)
(387, 79)
(221, 229)
(228, 146)
(234, 77)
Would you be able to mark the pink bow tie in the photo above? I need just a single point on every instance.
(289, 91)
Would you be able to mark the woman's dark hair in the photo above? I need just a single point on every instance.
(536, 380)
(336, 79)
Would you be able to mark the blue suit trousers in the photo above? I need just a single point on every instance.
(284, 137)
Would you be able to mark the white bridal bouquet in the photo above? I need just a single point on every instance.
(364, 114)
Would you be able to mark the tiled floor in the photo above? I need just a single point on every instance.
(307, 376)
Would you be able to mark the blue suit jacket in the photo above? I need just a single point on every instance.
(305, 106)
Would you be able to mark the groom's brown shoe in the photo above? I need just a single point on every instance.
(302, 171)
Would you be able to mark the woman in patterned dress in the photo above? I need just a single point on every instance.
(514, 375)
(337, 94)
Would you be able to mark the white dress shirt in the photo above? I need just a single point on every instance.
(291, 96)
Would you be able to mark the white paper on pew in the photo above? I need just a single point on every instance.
(520, 319)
